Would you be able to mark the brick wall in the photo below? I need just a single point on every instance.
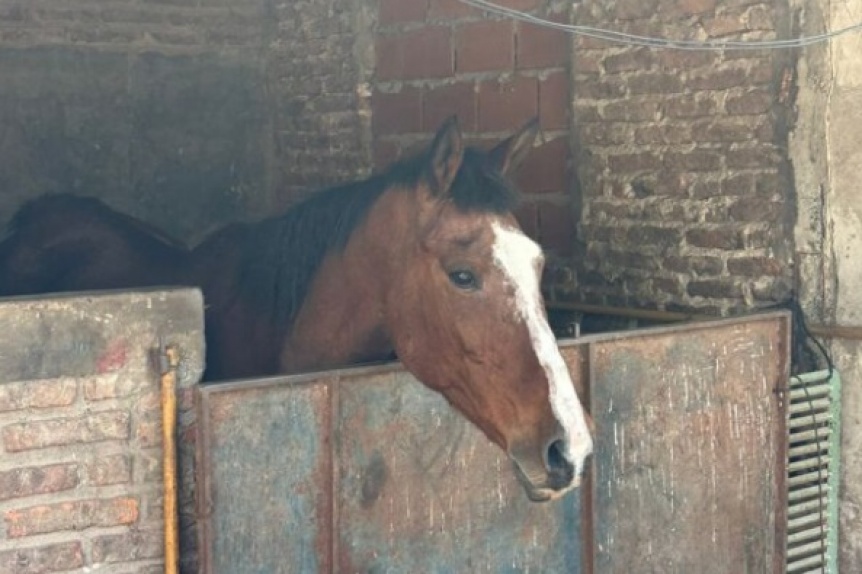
(439, 57)
(187, 114)
(685, 196)
(80, 437)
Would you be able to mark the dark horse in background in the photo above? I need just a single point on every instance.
(425, 260)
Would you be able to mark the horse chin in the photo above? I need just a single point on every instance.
(537, 492)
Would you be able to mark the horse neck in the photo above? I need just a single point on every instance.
(341, 321)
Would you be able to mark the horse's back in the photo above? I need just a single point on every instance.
(64, 242)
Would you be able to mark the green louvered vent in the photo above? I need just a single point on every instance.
(813, 472)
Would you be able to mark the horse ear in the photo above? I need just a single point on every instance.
(509, 153)
(445, 156)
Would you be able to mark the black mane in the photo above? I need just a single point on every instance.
(281, 255)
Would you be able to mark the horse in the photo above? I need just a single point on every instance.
(424, 260)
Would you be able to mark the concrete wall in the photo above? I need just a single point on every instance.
(827, 160)
(187, 114)
(80, 429)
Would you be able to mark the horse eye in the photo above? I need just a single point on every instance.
(463, 279)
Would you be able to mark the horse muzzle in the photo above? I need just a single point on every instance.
(553, 474)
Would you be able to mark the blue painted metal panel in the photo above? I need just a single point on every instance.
(689, 449)
(419, 489)
(268, 464)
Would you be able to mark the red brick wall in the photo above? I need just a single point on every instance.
(684, 178)
(439, 57)
(80, 432)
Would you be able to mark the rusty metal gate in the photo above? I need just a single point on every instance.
(365, 470)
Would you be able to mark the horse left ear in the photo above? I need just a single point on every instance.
(506, 155)
(445, 156)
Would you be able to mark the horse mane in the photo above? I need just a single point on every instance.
(282, 255)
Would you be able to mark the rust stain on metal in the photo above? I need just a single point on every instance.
(365, 470)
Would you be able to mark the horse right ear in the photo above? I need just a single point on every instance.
(445, 156)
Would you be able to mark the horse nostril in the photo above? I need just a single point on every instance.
(561, 471)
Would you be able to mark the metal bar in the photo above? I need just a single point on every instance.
(169, 361)
(807, 506)
(834, 477)
(805, 564)
(808, 478)
(803, 521)
(805, 463)
(827, 331)
(805, 535)
(805, 493)
(819, 436)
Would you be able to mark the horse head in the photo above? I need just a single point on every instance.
(466, 315)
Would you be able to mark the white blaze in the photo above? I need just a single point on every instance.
(517, 255)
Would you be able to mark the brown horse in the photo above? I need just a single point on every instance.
(424, 260)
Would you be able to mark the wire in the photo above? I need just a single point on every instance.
(653, 42)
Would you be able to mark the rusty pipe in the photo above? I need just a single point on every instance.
(169, 361)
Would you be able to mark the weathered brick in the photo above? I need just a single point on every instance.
(62, 557)
(634, 162)
(38, 394)
(545, 169)
(724, 129)
(633, 110)
(714, 289)
(691, 7)
(398, 112)
(449, 10)
(485, 46)
(635, 9)
(586, 112)
(761, 156)
(22, 482)
(602, 88)
(719, 238)
(755, 266)
(148, 466)
(752, 102)
(756, 209)
(443, 101)
(771, 290)
(104, 387)
(588, 62)
(627, 261)
(128, 547)
(679, 60)
(398, 11)
(700, 265)
(719, 79)
(725, 25)
(662, 237)
(112, 425)
(695, 160)
(540, 47)
(689, 106)
(554, 101)
(78, 515)
(507, 105)
(662, 134)
(605, 133)
(112, 469)
(631, 60)
(148, 432)
(667, 285)
(655, 83)
(422, 53)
